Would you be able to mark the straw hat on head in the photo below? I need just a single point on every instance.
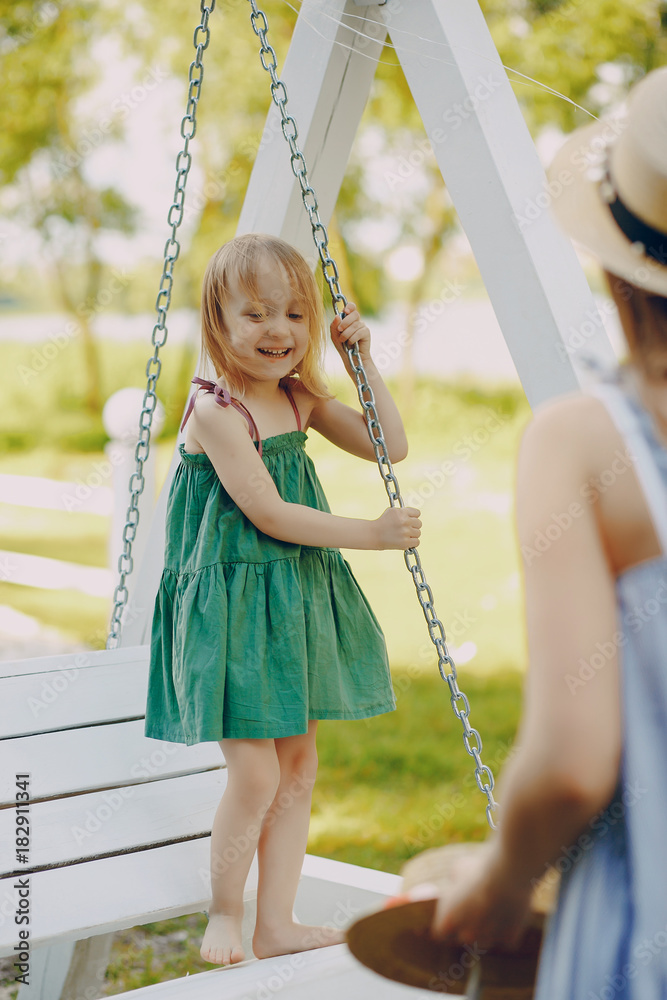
(612, 182)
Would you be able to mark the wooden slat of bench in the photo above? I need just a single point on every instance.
(63, 698)
(67, 661)
(112, 893)
(77, 760)
(100, 823)
(327, 973)
(131, 889)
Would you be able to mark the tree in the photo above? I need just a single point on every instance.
(43, 150)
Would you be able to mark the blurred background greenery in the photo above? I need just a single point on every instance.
(83, 205)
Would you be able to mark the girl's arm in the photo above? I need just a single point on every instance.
(345, 426)
(223, 434)
(566, 767)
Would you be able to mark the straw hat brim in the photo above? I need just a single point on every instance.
(583, 213)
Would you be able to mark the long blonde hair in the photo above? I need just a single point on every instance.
(238, 261)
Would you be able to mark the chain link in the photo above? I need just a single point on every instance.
(483, 775)
(172, 249)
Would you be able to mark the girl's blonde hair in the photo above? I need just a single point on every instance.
(238, 261)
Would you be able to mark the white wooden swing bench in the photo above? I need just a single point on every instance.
(120, 824)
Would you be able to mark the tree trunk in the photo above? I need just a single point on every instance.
(81, 314)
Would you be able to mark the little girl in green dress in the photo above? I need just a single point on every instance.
(260, 628)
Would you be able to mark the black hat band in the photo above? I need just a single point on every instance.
(653, 240)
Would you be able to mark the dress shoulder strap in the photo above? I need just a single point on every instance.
(648, 473)
(224, 399)
(288, 391)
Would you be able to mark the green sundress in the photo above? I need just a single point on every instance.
(252, 636)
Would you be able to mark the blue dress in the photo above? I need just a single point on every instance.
(607, 939)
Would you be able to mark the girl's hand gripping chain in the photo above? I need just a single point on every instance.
(398, 528)
(348, 330)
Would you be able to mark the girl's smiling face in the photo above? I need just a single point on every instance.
(266, 331)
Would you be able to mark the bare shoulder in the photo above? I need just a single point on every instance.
(207, 419)
(575, 423)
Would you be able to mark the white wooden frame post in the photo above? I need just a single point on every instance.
(487, 159)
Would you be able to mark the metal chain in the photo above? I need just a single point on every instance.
(460, 705)
(172, 249)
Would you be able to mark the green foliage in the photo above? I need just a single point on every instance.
(56, 415)
(50, 64)
(41, 45)
(563, 44)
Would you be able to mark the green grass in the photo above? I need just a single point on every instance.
(387, 787)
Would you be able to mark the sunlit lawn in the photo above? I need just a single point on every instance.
(387, 786)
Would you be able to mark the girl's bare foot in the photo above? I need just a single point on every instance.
(290, 938)
(222, 939)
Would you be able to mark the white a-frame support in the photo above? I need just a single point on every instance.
(486, 157)
(482, 146)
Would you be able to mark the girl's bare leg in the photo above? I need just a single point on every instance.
(253, 775)
(281, 850)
